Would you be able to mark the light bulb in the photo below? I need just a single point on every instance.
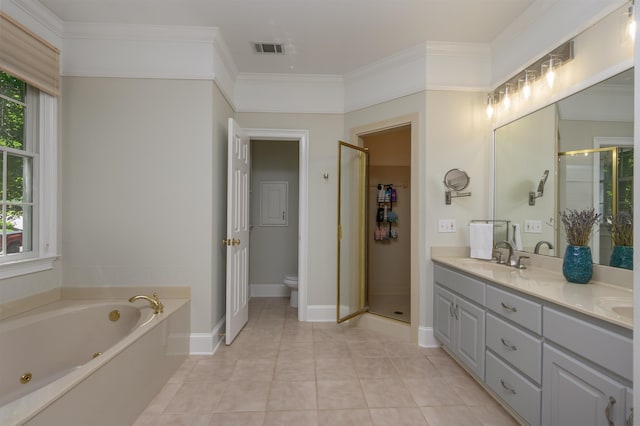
(526, 90)
(489, 107)
(550, 76)
(631, 25)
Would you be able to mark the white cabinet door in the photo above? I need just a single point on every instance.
(575, 394)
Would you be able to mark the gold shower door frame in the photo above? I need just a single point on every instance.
(352, 268)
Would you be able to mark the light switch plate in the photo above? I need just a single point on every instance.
(533, 226)
(447, 225)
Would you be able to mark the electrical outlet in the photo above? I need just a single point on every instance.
(447, 225)
(533, 226)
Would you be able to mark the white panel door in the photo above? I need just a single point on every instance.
(237, 240)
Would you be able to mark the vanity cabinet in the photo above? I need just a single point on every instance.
(551, 365)
(459, 322)
(587, 372)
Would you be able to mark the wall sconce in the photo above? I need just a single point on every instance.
(533, 195)
(524, 80)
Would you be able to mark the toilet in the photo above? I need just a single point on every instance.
(291, 281)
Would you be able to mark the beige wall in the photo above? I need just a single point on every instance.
(274, 249)
(324, 132)
(138, 187)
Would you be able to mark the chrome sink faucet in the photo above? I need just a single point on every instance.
(155, 302)
(536, 250)
(508, 245)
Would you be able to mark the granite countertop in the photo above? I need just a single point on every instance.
(611, 303)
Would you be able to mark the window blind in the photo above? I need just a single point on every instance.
(28, 57)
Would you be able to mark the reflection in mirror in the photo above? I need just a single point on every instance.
(596, 125)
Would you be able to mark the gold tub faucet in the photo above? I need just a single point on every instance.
(156, 304)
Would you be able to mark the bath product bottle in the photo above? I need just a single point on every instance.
(394, 196)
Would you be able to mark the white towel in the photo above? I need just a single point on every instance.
(517, 237)
(481, 240)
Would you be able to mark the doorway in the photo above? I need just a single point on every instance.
(274, 216)
(389, 222)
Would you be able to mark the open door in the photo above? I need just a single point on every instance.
(237, 241)
(352, 230)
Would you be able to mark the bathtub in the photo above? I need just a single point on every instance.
(88, 362)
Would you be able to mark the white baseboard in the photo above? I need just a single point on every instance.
(321, 313)
(269, 290)
(207, 343)
(426, 339)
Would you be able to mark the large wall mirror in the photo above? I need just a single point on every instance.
(586, 143)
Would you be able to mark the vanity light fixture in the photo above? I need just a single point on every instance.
(524, 80)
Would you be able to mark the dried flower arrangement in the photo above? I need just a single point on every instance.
(578, 225)
(622, 229)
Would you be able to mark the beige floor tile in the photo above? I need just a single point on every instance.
(374, 368)
(397, 417)
(459, 415)
(367, 349)
(254, 369)
(183, 370)
(331, 349)
(292, 396)
(446, 366)
(184, 420)
(196, 398)
(469, 390)
(338, 394)
(404, 350)
(389, 392)
(492, 415)
(433, 391)
(295, 370)
(291, 418)
(415, 367)
(349, 417)
(335, 369)
(244, 396)
(255, 418)
(211, 370)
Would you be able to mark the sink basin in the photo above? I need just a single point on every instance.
(617, 306)
(624, 311)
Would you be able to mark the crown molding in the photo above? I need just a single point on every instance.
(109, 31)
(36, 17)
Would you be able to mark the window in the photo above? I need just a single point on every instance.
(27, 126)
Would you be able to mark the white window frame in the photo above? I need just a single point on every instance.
(45, 224)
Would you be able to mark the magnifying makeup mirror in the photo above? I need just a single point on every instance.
(456, 180)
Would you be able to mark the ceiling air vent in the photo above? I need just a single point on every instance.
(269, 48)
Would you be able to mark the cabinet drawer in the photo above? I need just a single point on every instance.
(514, 389)
(603, 346)
(516, 308)
(466, 286)
(520, 349)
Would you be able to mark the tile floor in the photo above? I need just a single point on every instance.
(283, 372)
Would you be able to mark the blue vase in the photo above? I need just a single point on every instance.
(577, 266)
(622, 257)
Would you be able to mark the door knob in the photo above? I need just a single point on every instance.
(231, 242)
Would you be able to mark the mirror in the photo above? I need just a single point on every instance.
(585, 141)
(456, 180)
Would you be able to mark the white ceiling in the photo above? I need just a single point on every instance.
(320, 36)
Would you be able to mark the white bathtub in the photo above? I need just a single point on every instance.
(85, 368)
